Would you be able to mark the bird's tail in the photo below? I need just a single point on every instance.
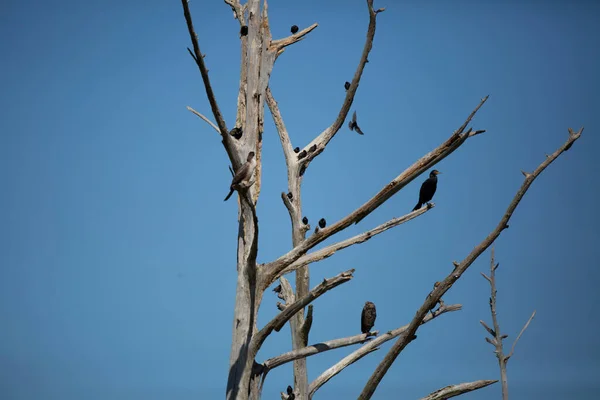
(229, 195)
(417, 206)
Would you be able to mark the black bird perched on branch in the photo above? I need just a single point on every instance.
(427, 189)
(347, 85)
(367, 317)
(305, 221)
(353, 125)
(294, 29)
(322, 223)
(244, 30)
(243, 174)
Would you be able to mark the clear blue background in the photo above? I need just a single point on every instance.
(117, 252)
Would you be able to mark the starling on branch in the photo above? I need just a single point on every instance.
(367, 317)
(294, 29)
(322, 223)
(243, 174)
(347, 85)
(244, 30)
(428, 189)
(353, 125)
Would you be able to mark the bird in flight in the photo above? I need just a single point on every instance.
(353, 125)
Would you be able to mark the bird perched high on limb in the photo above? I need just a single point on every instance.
(427, 189)
(367, 317)
(243, 175)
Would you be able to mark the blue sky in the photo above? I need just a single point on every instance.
(117, 254)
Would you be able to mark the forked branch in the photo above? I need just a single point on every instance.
(372, 346)
(459, 269)
(456, 390)
(497, 336)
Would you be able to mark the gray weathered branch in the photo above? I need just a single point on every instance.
(317, 348)
(291, 309)
(447, 283)
(360, 238)
(372, 346)
(456, 390)
(274, 268)
(208, 121)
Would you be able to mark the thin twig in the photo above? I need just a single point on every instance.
(512, 350)
(215, 127)
(447, 283)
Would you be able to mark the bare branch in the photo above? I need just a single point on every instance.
(457, 390)
(360, 238)
(454, 142)
(512, 350)
(280, 44)
(325, 137)
(487, 328)
(281, 130)
(447, 283)
(317, 348)
(208, 121)
(291, 309)
(371, 346)
(203, 71)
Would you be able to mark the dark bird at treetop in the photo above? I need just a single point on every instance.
(244, 30)
(305, 221)
(322, 223)
(243, 174)
(353, 125)
(367, 317)
(428, 189)
(294, 29)
(347, 85)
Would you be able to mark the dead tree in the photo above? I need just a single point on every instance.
(497, 336)
(246, 374)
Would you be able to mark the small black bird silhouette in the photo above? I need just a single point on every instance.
(367, 317)
(428, 189)
(297, 150)
(294, 29)
(354, 126)
(347, 85)
(305, 221)
(244, 30)
(289, 390)
(322, 223)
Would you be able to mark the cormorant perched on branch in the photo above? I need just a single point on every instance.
(427, 189)
(243, 174)
(367, 317)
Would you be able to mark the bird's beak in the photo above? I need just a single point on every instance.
(438, 173)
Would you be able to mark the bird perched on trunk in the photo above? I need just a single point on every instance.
(353, 125)
(294, 29)
(243, 174)
(428, 189)
(346, 85)
(367, 317)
